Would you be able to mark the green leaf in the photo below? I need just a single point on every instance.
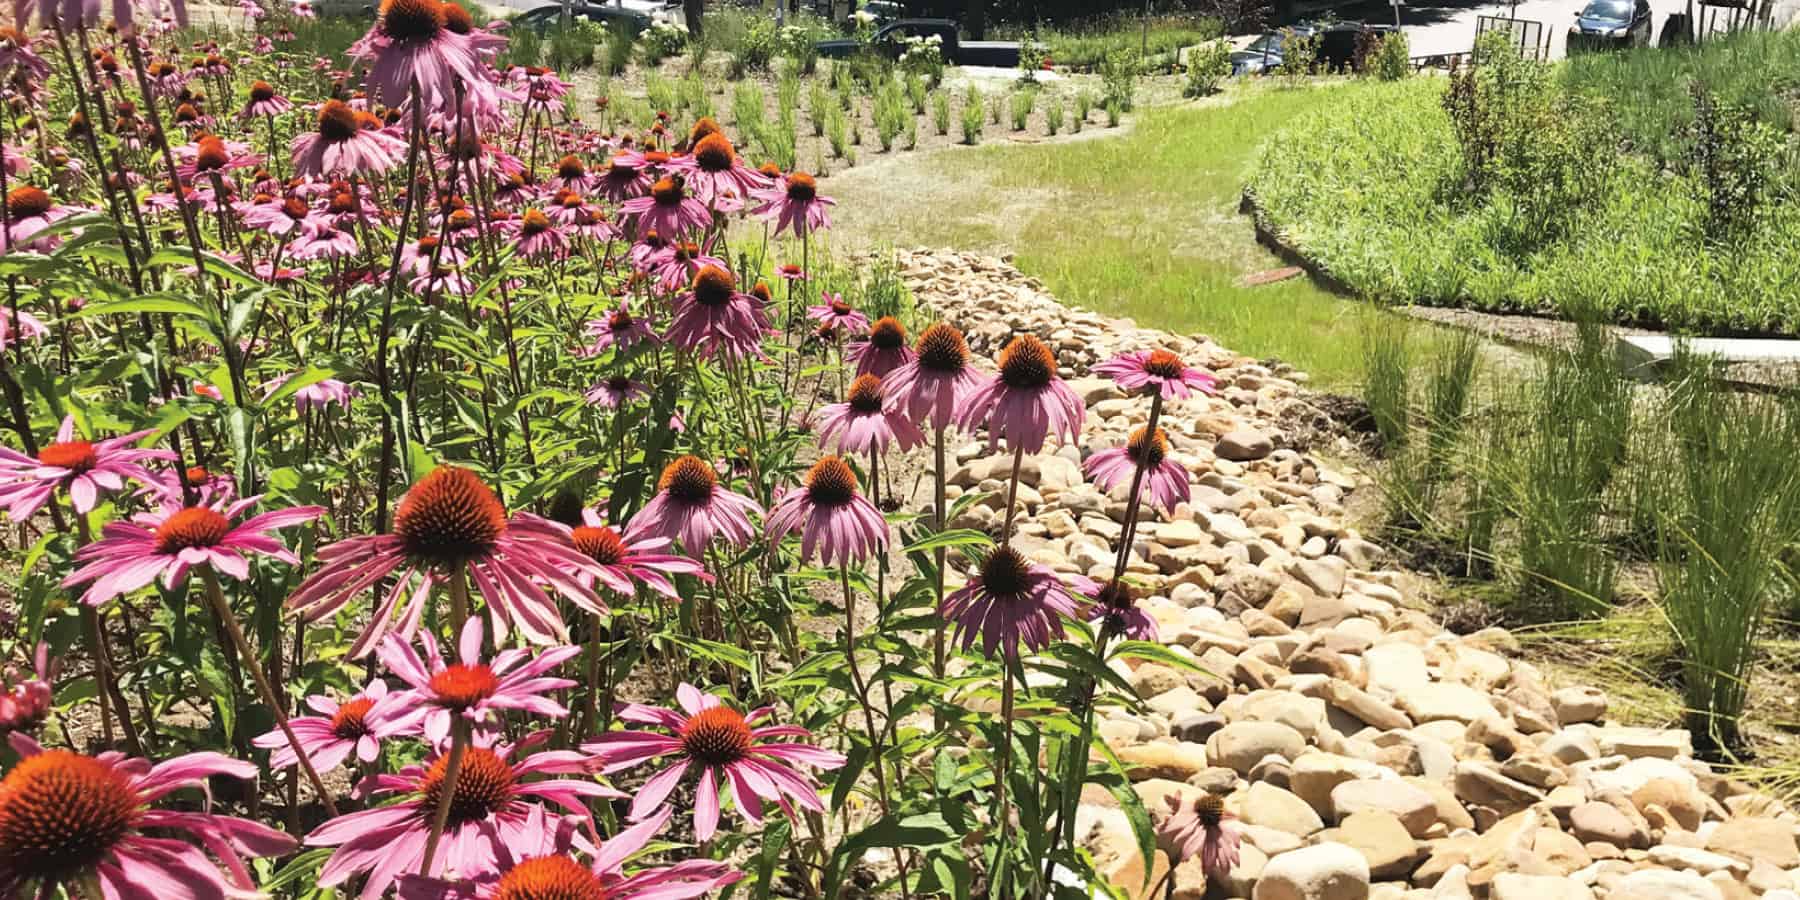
(921, 831)
(149, 303)
(311, 376)
(855, 761)
(955, 537)
(1157, 653)
(775, 839)
(419, 461)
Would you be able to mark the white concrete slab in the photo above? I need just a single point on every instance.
(1645, 354)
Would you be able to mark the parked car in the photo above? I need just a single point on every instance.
(889, 39)
(544, 17)
(1611, 23)
(1337, 46)
(359, 9)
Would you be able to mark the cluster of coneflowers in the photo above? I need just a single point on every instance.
(486, 191)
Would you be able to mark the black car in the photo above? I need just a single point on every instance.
(890, 40)
(610, 17)
(1335, 50)
(1611, 23)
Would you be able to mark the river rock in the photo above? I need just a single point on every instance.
(1328, 871)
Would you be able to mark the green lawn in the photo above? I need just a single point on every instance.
(1143, 225)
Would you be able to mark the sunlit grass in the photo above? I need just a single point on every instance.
(1142, 225)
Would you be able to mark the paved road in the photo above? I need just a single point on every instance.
(1437, 26)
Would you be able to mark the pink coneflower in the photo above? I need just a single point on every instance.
(579, 217)
(82, 468)
(211, 155)
(864, 423)
(619, 329)
(326, 241)
(409, 46)
(32, 210)
(281, 216)
(716, 316)
(616, 391)
(622, 558)
(690, 506)
(536, 237)
(16, 51)
(1165, 481)
(74, 821)
(1027, 403)
(724, 746)
(485, 43)
(30, 328)
(473, 689)
(25, 703)
(790, 272)
(1114, 608)
(1199, 826)
(1151, 371)
(494, 808)
(884, 351)
(264, 101)
(836, 313)
(668, 210)
(831, 515)
(418, 257)
(794, 204)
(325, 392)
(544, 870)
(623, 180)
(449, 525)
(343, 145)
(1010, 601)
(166, 543)
(339, 730)
(676, 264)
(938, 380)
(572, 174)
(717, 175)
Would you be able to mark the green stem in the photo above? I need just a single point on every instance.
(459, 742)
(222, 609)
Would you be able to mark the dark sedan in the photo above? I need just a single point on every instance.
(1611, 23)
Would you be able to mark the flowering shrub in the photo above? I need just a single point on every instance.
(923, 56)
(404, 425)
(662, 40)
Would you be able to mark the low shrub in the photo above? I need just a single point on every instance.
(1390, 60)
(1118, 75)
(1208, 65)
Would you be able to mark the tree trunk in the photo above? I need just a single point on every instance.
(694, 11)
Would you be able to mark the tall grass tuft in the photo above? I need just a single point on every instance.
(1449, 384)
(972, 116)
(1725, 534)
(819, 103)
(1020, 107)
(1387, 364)
(1576, 420)
(940, 112)
(747, 107)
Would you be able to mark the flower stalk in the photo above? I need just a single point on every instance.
(216, 596)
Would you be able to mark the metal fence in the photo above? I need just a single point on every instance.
(1528, 35)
